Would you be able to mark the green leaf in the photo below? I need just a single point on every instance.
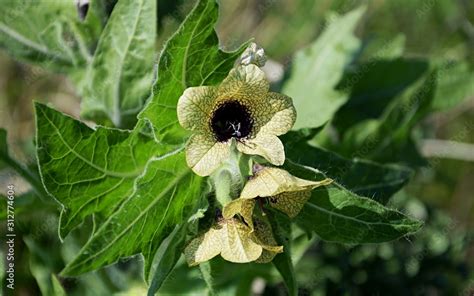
(316, 71)
(119, 78)
(163, 197)
(42, 263)
(455, 85)
(283, 262)
(166, 258)
(45, 32)
(385, 139)
(103, 9)
(360, 176)
(88, 171)
(373, 85)
(379, 47)
(191, 57)
(338, 215)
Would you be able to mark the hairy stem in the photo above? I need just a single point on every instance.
(222, 184)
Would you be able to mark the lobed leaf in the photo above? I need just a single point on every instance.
(163, 197)
(88, 171)
(191, 57)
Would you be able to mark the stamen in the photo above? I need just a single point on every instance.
(231, 120)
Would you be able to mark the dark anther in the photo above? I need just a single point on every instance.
(273, 199)
(231, 120)
(218, 213)
(82, 8)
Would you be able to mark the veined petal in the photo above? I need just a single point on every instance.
(290, 203)
(272, 181)
(204, 154)
(265, 145)
(204, 247)
(263, 236)
(278, 115)
(195, 107)
(237, 245)
(246, 84)
(243, 207)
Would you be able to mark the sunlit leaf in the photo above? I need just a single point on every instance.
(316, 71)
(119, 78)
(164, 196)
(88, 171)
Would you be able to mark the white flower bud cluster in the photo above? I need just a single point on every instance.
(254, 54)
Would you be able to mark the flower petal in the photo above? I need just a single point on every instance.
(272, 181)
(265, 145)
(290, 203)
(246, 84)
(278, 116)
(237, 245)
(204, 247)
(195, 107)
(263, 236)
(243, 207)
(204, 154)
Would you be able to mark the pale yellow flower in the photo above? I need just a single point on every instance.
(283, 191)
(241, 108)
(235, 242)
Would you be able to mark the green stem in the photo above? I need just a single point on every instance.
(245, 167)
(232, 176)
(205, 268)
(222, 184)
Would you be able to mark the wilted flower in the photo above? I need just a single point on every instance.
(240, 108)
(283, 191)
(235, 242)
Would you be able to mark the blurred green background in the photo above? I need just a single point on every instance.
(439, 260)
